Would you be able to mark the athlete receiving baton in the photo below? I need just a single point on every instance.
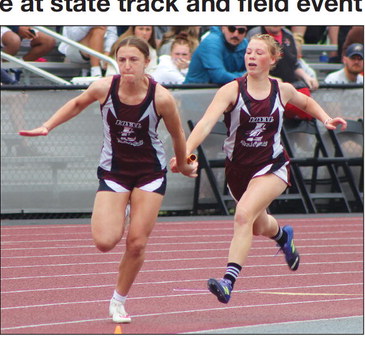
(257, 166)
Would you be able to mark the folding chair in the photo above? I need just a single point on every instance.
(207, 165)
(309, 159)
(348, 144)
(294, 199)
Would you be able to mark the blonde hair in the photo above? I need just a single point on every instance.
(273, 46)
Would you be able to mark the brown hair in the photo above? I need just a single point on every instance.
(132, 41)
(190, 32)
(130, 32)
(273, 46)
(182, 39)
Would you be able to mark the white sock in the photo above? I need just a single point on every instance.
(119, 298)
(95, 71)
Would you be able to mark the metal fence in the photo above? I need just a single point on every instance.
(57, 173)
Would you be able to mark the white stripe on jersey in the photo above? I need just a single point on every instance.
(106, 153)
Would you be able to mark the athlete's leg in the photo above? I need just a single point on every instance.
(250, 210)
(144, 211)
(107, 221)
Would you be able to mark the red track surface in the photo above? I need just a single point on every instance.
(54, 281)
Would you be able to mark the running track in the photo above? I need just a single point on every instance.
(54, 281)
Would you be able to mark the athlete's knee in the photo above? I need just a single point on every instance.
(243, 219)
(105, 242)
(136, 246)
(105, 245)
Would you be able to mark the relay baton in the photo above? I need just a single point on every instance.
(191, 158)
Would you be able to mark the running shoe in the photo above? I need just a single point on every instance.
(222, 289)
(118, 313)
(291, 254)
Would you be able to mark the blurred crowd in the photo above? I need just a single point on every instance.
(194, 54)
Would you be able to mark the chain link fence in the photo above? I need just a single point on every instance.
(57, 173)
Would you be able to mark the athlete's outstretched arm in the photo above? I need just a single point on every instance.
(96, 91)
(224, 98)
(310, 106)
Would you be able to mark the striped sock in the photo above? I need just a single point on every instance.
(232, 271)
(280, 237)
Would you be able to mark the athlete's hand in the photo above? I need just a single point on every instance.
(189, 170)
(173, 165)
(332, 123)
(40, 131)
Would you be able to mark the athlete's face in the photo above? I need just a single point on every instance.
(257, 57)
(131, 62)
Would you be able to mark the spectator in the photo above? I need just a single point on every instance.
(10, 44)
(219, 57)
(355, 35)
(173, 68)
(98, 38)
(147, 34)
(39, 43)
(288, 68)
(191, 32)
(10, 41)
(159, 32)
(299, 41)
(353, 62)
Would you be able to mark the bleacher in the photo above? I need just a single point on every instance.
(56, 64)
(59, 66)
(312, 53)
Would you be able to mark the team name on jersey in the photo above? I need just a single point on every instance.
(129, 124)
(261, 119)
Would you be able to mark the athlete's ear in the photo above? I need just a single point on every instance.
(272, 61)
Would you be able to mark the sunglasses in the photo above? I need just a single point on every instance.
(232, 29)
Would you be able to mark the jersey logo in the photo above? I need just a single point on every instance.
(128, 135)
(254, 139)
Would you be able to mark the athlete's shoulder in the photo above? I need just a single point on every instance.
(162, 95)
(100, 88)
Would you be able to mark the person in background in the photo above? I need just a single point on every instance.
(299, 41)
(219, 57)
(98, 38)
(190, 32)
(257, 165)
(147, 34)
(354, 35)
(173, 68)
(37, 45)
(132, 167)
(353, 68)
